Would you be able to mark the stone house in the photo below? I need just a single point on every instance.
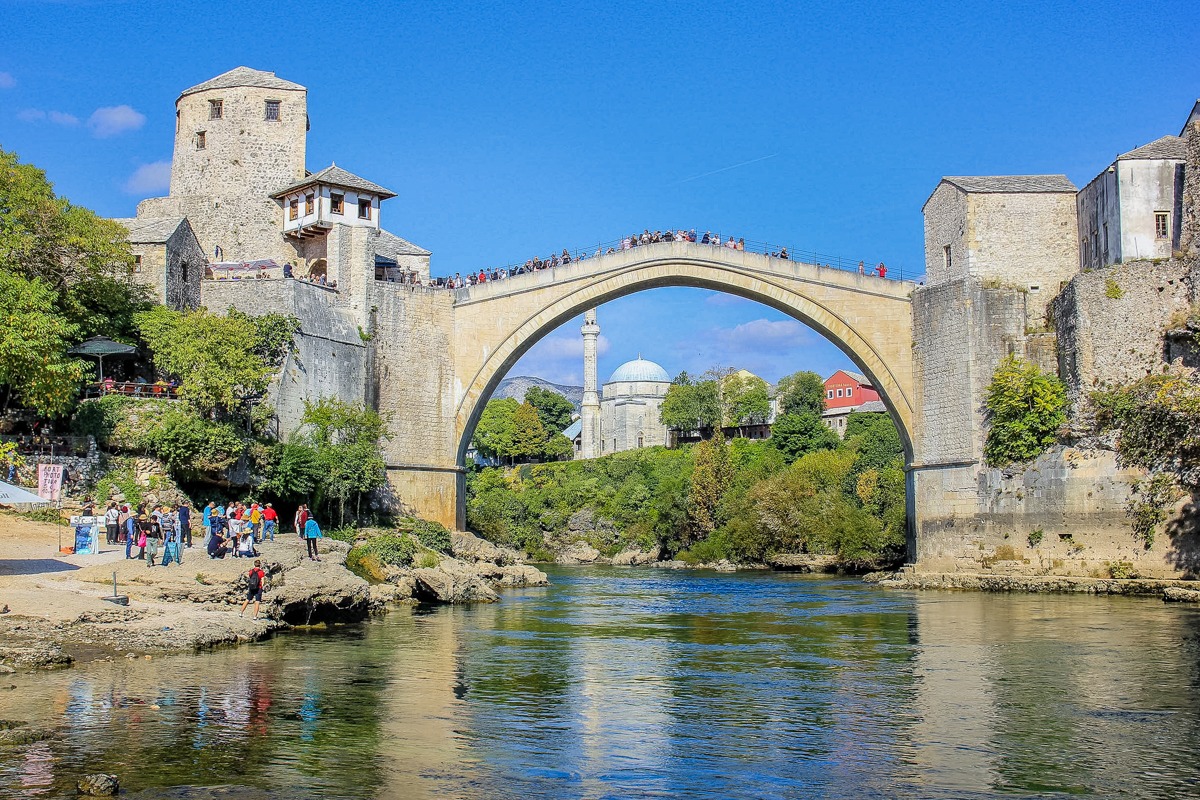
(168, 259)
(1008, 230)
(1132, 209)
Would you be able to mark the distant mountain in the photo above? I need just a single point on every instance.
(516, 387)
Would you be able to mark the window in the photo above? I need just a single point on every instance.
(946, 257)
(137, 265)
(335, 203)
(272, 111)
(185, 273)
(293, 209)
(308, 204)
(1162, 225)
(829, 393)
(201, 142)
(850, 392)
(216, 109)
(839, 392)
(364, 209)
(641, 441)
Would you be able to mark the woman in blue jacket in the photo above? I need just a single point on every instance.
(312, 532)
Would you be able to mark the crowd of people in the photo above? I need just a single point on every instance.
(554, 260)
(233, 530)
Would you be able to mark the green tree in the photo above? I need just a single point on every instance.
(1025, 409)
(294, 471)
(43, 236)
(690, 405)
(801, 392)
(34, 338)
(346, 440)
(711, 474)
(215, 358)
(795, 435)
(529, 436)
(493, 436)
(745, 400)
(558, 446)
(553, 409)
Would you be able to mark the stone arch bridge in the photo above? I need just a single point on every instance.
(483, 330)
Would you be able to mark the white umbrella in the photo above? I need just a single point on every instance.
(14, 495)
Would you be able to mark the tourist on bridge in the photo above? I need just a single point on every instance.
(783, 254)
(312, 532)
(881, 270)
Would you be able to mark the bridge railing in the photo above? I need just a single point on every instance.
(774, 249)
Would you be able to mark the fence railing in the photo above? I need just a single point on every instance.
(145, 391)
(771, 249)
(50, 444)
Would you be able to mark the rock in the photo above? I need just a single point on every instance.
(802, 562)
(469, 547)
(672, 564)
(451, 582)
(577, 553)
(1174, 594)
(518, 575)
(24, 735)
(5, 669)
(635, 556)
(99, 785)
(725, 565)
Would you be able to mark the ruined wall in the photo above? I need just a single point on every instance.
(1190, 230)
(1110, 322)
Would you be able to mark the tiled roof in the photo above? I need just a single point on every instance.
(872, 406)
(390, 245)
(150, 230)
(243, 76)
(336, 176)
(573, 430)
(858, 376)
(1015, 184)
(1165, 147)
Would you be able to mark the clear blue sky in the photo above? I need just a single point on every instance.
(514, 129)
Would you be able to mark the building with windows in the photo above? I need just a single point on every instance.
(847, 391)
(1132, 209)
(625, 413)
(238, 178)
(167, 259)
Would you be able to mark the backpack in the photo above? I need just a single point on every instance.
(254, 580)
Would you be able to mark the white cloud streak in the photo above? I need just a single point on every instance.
(7, 81)
(148, 178)
(56, 117)
(112, 121)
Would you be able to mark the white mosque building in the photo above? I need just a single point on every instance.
(626, 415)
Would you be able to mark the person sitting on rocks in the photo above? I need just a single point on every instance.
(216, 545)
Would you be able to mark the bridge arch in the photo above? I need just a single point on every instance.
(867, 318)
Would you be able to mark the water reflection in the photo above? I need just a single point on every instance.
(622, 683)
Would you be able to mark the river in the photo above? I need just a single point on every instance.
(651, 683)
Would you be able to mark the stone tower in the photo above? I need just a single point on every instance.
(239, 138)
(590, 420)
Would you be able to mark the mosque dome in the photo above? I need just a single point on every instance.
(640, 370)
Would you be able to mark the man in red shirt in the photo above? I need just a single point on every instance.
(270, 521)
(255, 579)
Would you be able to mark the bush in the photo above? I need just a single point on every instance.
(365, 564)
(346, 533)
(394, 550)
(432, 534)
(428, 560)
(1025, 409)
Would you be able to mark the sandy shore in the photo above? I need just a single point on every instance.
(56, 613)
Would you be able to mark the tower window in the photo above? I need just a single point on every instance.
(293, 209)
(364, 209)
(272, 111)
(1162, 225)
(946, 257)
(308, 204)
(137, 265)
(216, 109)
(335, 203)
(201, 141)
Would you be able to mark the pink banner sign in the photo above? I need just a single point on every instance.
(50, 481)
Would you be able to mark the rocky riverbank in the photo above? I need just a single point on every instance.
(53, 610)
(1168, 590)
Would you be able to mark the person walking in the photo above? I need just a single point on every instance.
(312, 532)
(300, 519)
(131, 532)
(112, 527)
(270, 521)
(167, 524)
(255, 579)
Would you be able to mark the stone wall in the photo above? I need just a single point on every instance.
(185, 264)
(1110, 340)
(945, 226)
(1190, 232)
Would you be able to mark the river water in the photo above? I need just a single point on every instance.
(652, 683)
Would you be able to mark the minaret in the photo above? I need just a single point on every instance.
(590, 420)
